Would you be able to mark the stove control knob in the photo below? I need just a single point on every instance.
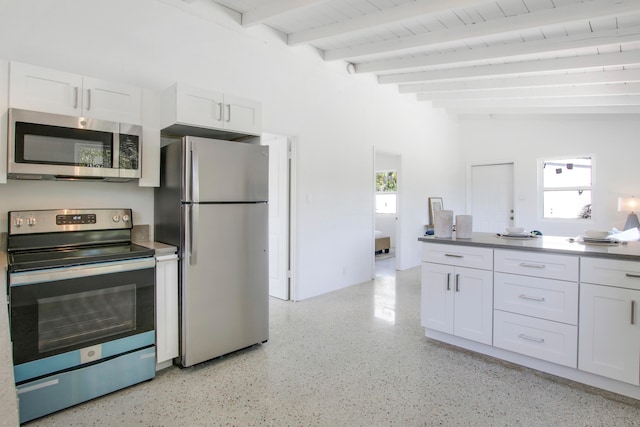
(116, 218)
(31, 221)
(18, 222)
(125, 218)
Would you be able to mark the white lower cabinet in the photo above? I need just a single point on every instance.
(575, 316)
(551, 341)
(535, 315)
(458, 300)
(167, 345)
(609, 322)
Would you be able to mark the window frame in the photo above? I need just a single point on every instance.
(386, 171)
(542, 188)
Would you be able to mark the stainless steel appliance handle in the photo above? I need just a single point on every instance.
(55, 274)
(195, 174)
(194, 217)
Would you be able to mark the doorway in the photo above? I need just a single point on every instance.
(281, 167)
(490, 196)
(387, 179)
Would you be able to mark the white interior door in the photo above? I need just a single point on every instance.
(491, 197)
(278, 215)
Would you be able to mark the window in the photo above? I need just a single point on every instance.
(567, 188)
(386, 191)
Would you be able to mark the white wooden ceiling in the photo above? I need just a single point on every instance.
(476, 56)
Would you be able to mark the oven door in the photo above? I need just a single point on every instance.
(59, 310)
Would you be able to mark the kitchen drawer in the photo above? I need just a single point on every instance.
(610, 272)
(551, 341)
(551, 266)
(548, 299)
(458, 255)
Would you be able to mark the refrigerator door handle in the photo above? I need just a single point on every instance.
(195, 173)
(194, 218)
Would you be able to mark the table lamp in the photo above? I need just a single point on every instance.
(629, 204)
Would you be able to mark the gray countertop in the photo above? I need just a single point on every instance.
(551, 244)
(160, 248)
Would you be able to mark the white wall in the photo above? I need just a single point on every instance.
(335, 117)
(612, 140)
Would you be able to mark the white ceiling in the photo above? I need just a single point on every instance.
(476, 56)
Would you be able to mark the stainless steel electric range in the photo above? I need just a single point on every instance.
(82, 306)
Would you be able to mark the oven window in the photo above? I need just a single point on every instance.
(68, 320)
(54, 317)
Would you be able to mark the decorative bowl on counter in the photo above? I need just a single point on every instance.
(595, 234)
(515, 230)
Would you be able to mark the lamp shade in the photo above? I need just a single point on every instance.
(628, 204)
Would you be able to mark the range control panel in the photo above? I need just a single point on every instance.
(58, 220)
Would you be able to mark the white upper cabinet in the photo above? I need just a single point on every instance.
(52, 91)
(191, 106)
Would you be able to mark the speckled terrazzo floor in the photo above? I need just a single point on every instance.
(355, 357)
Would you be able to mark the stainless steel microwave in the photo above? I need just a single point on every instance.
(53, 146)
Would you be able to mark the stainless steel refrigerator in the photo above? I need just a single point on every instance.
(212, 205)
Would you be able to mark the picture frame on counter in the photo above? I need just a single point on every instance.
(435, 204)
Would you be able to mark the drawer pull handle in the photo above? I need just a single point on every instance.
(633, 312)
(523, 296)
(448, 281)
(528, 338)
(454, 256)
(635, 276)
(527, 264)
(457, 283)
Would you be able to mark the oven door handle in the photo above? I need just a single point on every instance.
(65, 273)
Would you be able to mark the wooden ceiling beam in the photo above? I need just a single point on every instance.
(511, 50)
(631, 58)
(579, 12)
(557, 80)
(380, 18)
(275, 8)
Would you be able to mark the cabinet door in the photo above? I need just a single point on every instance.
(437, 297)
(111, 101)
(242, 115)
(167, 344)
(609, 334)
(42, 89)
(473, 290)
(199, 107)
